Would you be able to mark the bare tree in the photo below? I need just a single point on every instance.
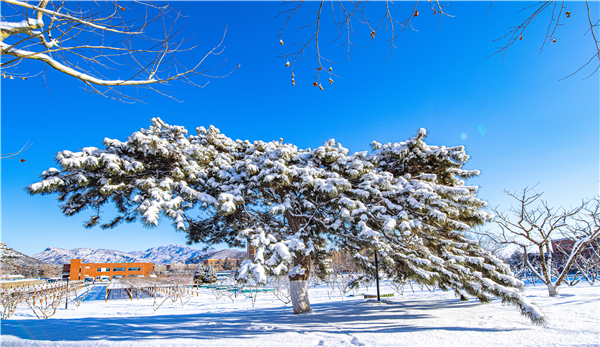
(10, 298)
(281, 288)
(535, 227)
(345, 16)
(559, 14)
(227, 286)
(483, 239)
(45, 301)
(98, 42)
(175, 288)
(390, 20)
(77, 292)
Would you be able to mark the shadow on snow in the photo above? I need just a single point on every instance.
(352, 316)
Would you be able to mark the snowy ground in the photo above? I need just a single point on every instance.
(415, 319)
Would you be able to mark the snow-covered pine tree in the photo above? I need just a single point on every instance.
(406, 201)
(157, 171)
(204, 274)
(210, 275)
(412, 207)
(199, 274)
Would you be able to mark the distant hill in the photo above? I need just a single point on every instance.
(60, 256)
(169, 254)
(17, 263)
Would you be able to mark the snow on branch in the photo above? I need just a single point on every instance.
(86, 41)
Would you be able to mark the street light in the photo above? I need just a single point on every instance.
(67, 295)
(377, 276)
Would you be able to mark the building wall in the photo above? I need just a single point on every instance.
(250, 250)
(174, 267)
(66, 271)
(562, 246)
(80, 270)
(217, 264)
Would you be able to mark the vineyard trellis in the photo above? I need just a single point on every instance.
(41, 297)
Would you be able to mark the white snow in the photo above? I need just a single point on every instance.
(421, 318)
(22, 24)
(297, 270)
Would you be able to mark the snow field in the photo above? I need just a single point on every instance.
(414, 319)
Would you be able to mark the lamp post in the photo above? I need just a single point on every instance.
(377, 276)
(67, 295)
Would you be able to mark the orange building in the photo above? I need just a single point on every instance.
(80, 271)
(222, 264)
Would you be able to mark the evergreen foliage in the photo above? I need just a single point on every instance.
(406, 200)
(204, 275)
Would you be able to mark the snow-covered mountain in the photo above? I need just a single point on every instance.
(17, 263)
(169, 254)
(53, 255)
(10, 256)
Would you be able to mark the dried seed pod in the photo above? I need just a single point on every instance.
(330, 69)
(293, 75)
(293, 82)
(281, 42)
(521, 37)
(287, 63)
(554, 40)
(320, 87)
(568, 13)
(315, 84)
(416, 14)
(330, 81)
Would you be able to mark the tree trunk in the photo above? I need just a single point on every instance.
(552, 290)
(299, 294)
(299, 282)
(299, 285)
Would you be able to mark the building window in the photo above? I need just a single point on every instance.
(102, 269)
(118, 269)
(133, 269)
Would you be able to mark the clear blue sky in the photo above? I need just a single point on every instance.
(522, 124)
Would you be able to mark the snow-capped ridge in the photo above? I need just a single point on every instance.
(167, 254)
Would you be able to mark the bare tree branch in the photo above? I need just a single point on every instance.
(12, 155)
(344, 13)
(108, 39)
(537, 226)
